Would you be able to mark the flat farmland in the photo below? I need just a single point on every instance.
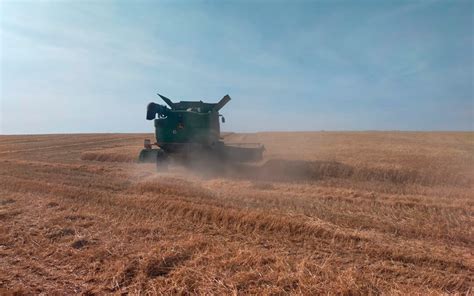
(325, 213)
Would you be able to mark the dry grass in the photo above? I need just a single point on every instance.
(337, 213)
(116, 154)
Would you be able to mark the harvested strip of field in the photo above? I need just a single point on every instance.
(116, 154)
(358, 213)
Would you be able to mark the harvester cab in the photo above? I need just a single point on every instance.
(188, 129)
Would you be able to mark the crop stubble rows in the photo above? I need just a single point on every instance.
(77, 216)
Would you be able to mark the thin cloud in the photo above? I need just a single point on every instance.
(308, 66)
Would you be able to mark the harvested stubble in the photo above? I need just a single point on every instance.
(116, 154)
(338, 213)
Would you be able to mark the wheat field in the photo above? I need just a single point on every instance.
(351, 213)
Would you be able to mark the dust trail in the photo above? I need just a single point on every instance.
(284, 170)
(279, 168)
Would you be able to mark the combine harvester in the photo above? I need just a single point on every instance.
(190, 131)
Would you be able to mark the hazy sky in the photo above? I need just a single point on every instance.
(92, 66)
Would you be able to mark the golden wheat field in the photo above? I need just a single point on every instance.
(326, 213)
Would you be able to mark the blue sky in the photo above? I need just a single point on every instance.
(92, 66)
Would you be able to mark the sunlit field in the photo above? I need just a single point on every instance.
(325, 212)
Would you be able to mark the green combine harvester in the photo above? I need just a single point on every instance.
(190, 131)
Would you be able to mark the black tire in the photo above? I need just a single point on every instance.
(147, 155)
